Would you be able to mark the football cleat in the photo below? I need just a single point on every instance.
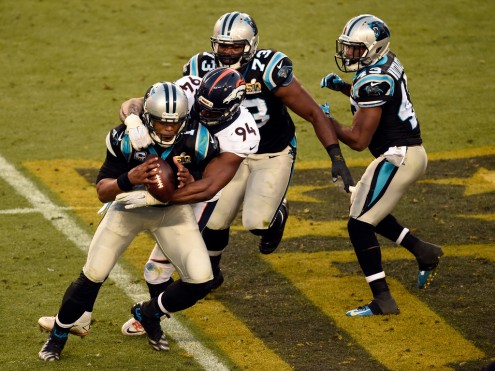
(133, 328)
(273, 235)
(360, 311)
(151, 325)
(81, 326)
(373, 309)
(426, 277)
(53, 347)
(428, 263)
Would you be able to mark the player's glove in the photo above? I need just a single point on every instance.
(332, 81)
(138, 133)
(339, 168)
(135, 199)
(326, 109)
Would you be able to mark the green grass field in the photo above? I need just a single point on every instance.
(66, 68)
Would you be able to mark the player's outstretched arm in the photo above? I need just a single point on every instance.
(217, 174)
(302, 103)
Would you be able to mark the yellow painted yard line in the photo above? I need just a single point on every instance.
(398, 342)
(214, 319)
(233, 337)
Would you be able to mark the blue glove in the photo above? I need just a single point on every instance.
(332, 81)
(326, 109)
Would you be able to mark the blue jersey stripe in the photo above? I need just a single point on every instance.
(126, 148)
(202, 143)
(267, 75)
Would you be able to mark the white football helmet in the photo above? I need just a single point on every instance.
(165, 102)
(233, 29)
(364, 41)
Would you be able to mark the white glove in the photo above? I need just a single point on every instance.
(135, 199)
(138, 133)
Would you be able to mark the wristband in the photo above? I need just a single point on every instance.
(334, 152)
(124, 183)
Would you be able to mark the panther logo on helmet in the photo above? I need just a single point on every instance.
(365, 39)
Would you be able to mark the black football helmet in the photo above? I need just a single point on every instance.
(219, 96)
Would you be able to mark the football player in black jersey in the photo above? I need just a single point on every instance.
(262, 180)
(174, 227)
(385, 122)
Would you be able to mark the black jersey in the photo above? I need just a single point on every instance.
(268, 70)
(194, 143)
(385, 84)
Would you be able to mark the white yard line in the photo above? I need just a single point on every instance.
(137, 292)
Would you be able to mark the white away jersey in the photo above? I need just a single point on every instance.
(239, 136)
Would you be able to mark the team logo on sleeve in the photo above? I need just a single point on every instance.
(285, 71)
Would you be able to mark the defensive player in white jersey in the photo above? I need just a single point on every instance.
(262, 180)
(385, 122)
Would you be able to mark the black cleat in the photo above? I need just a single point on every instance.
(151, 325)
(53, 347)
(273, 235)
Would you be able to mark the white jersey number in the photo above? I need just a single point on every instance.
(258, 109)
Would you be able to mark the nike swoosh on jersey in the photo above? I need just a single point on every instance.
(273, 156)
(251, 148)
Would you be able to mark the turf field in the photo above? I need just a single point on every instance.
(66, 67)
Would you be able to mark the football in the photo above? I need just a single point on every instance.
(164, 188)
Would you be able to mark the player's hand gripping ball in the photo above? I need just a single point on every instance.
(164, 188)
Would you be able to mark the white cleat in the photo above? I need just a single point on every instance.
(133, 328)
(81, 326)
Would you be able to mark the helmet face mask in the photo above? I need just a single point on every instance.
(365, 39)
(237, 31)
(219, 96)
(165, 103)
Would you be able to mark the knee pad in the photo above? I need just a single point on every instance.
(362, 235)
(156, 272)
(216, 240)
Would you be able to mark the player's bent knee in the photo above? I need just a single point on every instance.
(198, 267)
(93, 275)
(157, 273)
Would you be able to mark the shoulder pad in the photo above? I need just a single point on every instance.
(374, 89)
(277, 68)
(189, 84)
(199, 65)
